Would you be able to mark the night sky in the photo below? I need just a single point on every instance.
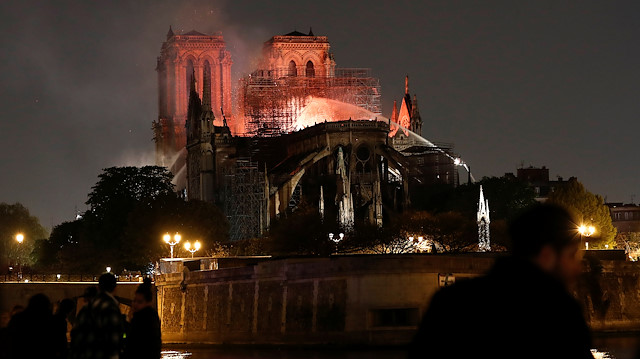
(510, 83)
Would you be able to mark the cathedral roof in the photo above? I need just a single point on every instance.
(296, 33)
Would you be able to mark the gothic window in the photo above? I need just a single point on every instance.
(206, 79)
(292, 68)
(189, 76)
(311, 72)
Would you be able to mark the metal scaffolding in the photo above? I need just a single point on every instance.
(244, 205)
(270, 105)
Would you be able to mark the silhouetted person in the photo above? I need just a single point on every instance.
(4, 330)
(143, 337)
(522, 308)
(59, 327)
(82, 324)
(30, 334)
(98, 334)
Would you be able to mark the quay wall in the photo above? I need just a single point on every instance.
(345, 300)
(353, 300)
(342, 299)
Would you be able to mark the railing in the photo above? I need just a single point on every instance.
(52, 278)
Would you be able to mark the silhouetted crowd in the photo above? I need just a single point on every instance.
(98, 330)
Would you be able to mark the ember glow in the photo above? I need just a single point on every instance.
(319, 110)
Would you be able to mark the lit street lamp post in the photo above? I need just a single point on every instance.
(172, 241)
(586, 231)
(335, 239)
(195, 248)
(19, 239)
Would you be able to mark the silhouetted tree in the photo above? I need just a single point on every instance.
(130, 209)
(121, 188)
(62, 247)
(589, 209)
(15, 218)
(507, 197)
(194, 220)
(302, 232)
(450, 231)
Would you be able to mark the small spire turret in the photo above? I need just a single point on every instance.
(416, 120)
(406, 85)
(394, 113)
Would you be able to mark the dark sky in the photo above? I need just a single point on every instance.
(535, 83)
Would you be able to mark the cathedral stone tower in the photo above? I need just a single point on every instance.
(183, 57)
(297, 54)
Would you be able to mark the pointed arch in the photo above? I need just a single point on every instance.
(310, 70)
(206, 81)
(189, 73)
(292, 69)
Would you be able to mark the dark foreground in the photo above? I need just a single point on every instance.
(618, 347)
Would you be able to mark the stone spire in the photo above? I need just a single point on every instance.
(170, 33)
(483, 220)
(416, 120)
(344, 197)
(406, 85)
(194, 111)
(394, 113)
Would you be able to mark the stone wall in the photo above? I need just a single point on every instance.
(610, 295)
(374, 299)
(342, 299)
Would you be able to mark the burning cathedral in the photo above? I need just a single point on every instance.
(302, 130)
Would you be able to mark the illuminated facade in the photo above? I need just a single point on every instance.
(300, 122)
(294, 70)
(182, 57)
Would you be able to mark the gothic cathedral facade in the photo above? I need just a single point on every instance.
(183, 58)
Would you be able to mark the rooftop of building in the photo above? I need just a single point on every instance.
(622, 205)
(297, 36)
(191, 34)
(298, 33)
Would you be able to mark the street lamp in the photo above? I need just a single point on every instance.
(172, 241)
(196, 247)
(19, 239)
(586, 231)
(335, 239)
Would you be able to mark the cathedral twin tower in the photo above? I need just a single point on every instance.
(190, 54)
(182, 57)
(294, 69)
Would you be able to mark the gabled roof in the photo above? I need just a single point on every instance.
(295, 33)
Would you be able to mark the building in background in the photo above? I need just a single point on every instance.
(625, 217)
(538, 179)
